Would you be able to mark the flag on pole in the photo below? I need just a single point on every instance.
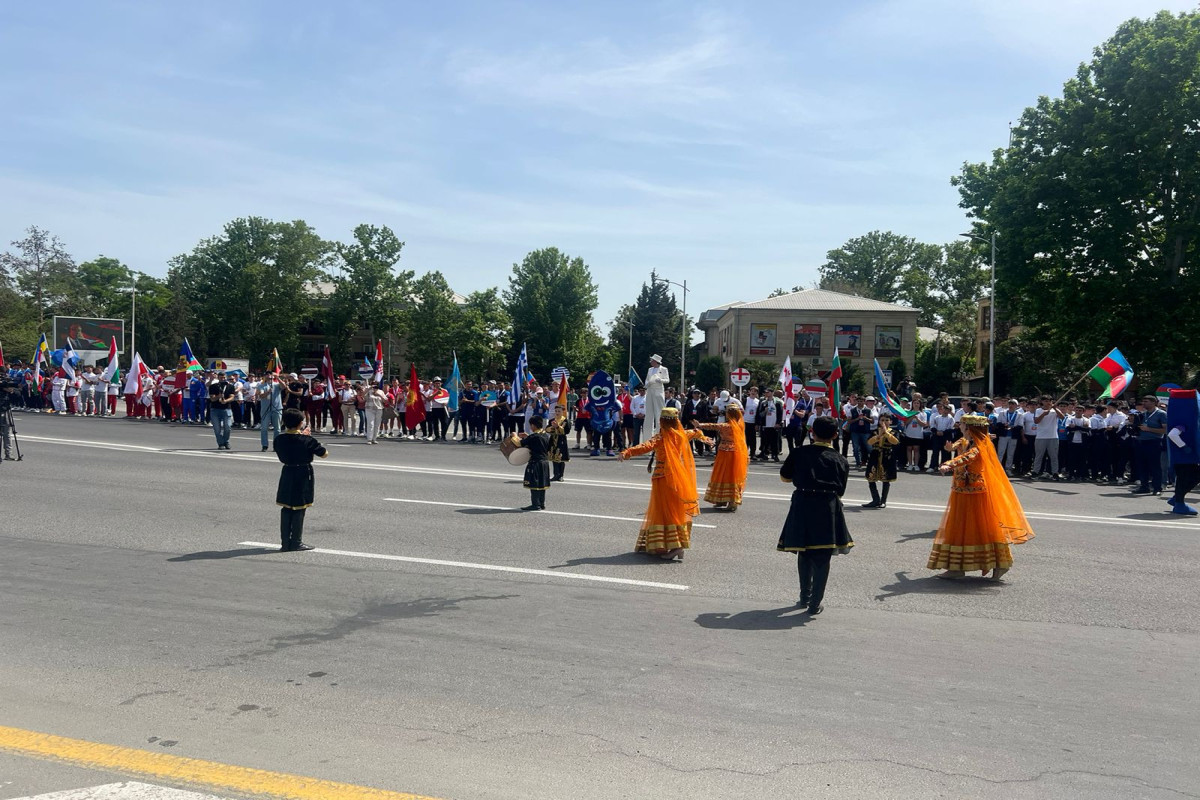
(514, 392)
(69, 360)
(789, 393)
(365, 369)
(1, 355)
(274, 365)
(112, 372)
(414, 411)
(1113, 373)
(327, 371)
(564, 389)
(40, 357)
(139, 373)
(455, 380)
(378, 375)
(187, 360)
(888, 397)
(634, 381)
(835, 385)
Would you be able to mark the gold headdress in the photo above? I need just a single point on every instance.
(669, 413)
(974, 420)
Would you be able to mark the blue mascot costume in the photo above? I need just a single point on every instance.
(1183, 446)
(602, 403)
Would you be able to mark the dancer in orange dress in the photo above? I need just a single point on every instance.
(984, 517)
(667, 527)
(728, 479)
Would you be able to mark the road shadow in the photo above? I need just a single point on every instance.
(1051, 490)
(912, 537)
(772, 619)
(217, 555)
(619, 559)
(934, 585)
(1159, 516)
(487, 512)
(1127, 494)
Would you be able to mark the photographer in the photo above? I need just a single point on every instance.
(8, 396)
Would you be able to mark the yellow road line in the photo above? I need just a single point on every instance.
(193, 772)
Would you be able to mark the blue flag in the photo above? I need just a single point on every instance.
(514, 393)
(455, 380)
(634, 379)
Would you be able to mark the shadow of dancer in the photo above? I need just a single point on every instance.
(773, 619)
(216, 555)
(932, 584)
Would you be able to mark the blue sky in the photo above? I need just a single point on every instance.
(731, 144)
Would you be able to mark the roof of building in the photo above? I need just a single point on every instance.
(806, 300)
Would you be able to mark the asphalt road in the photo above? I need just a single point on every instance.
(133, 614)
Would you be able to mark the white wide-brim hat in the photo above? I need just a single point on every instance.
(656, 357)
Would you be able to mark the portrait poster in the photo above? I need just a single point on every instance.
(762, 339)
(808, 340)
(887, 340)
(848, 339)
(88, 333)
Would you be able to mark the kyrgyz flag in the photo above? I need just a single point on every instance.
(112, 372)
(889, 400)
(1113, 373)
(414, 411)
(835, 385)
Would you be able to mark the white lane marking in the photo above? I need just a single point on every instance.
(549, 573)
(899, 506)
(506, 508)
(126, 790)
(259, 440)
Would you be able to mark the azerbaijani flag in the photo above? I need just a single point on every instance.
(1113, 373)
(835, 385)
(888, 399)
(112, 372)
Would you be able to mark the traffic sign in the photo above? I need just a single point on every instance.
(558, 373)
(309, 373)
(740, 376)
(816, 387)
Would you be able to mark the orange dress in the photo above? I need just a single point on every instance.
(728, 479)
(667, 524)
(983, 517)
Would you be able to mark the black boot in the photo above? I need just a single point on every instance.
(298, 530)
(874, 496)
(805, 570)
(285, 529)
(533, 501)
(883, 499)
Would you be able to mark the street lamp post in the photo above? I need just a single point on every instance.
(991, 315)
(628, 322)
(682, 330)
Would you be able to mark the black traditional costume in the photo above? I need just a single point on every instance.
(560, 450)
(296, 484)
(881, 465)
(815, 527)
(537, 471)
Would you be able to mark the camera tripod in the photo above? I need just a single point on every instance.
(12, 431)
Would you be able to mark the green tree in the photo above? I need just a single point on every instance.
(763, 374)
(249, 289)
(431, 323)
(369, 291)
(550, 299)
(710, 373)
(656, 328)
(104, 283)
(881, 265)
(483, 335)
(44, 272)
(18, 323)
(1097, 202)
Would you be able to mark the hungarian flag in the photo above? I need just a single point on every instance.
(414, 412)
(112, 372)
(835, 385)
(378, 375)
(1113, 373)
(275, 365)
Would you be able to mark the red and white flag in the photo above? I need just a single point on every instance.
(789, 392)
(139, 374)
(378, 376)
(327, 371)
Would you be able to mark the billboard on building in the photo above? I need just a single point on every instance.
(762, 339)
(887, 340)
(848, 339)
(808, 340)
(88, 334)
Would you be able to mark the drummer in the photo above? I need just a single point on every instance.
(537, 471)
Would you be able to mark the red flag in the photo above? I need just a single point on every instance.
(378, 376)
(414, 413)
(1, 355)
(326, 370)
(563, 390)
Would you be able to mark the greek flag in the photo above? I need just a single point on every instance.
(514, 393)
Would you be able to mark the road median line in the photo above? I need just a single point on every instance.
(190, 772)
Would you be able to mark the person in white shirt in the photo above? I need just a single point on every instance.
(73, 394)
(914, 436)
(750, 417)
(941, 425)
(250, 413)
(637, 407)
(348, 399)
(373, 400)
(58, 387)
(87, 392)
(1024, 460)
(1006, 444)
(1045, 440)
